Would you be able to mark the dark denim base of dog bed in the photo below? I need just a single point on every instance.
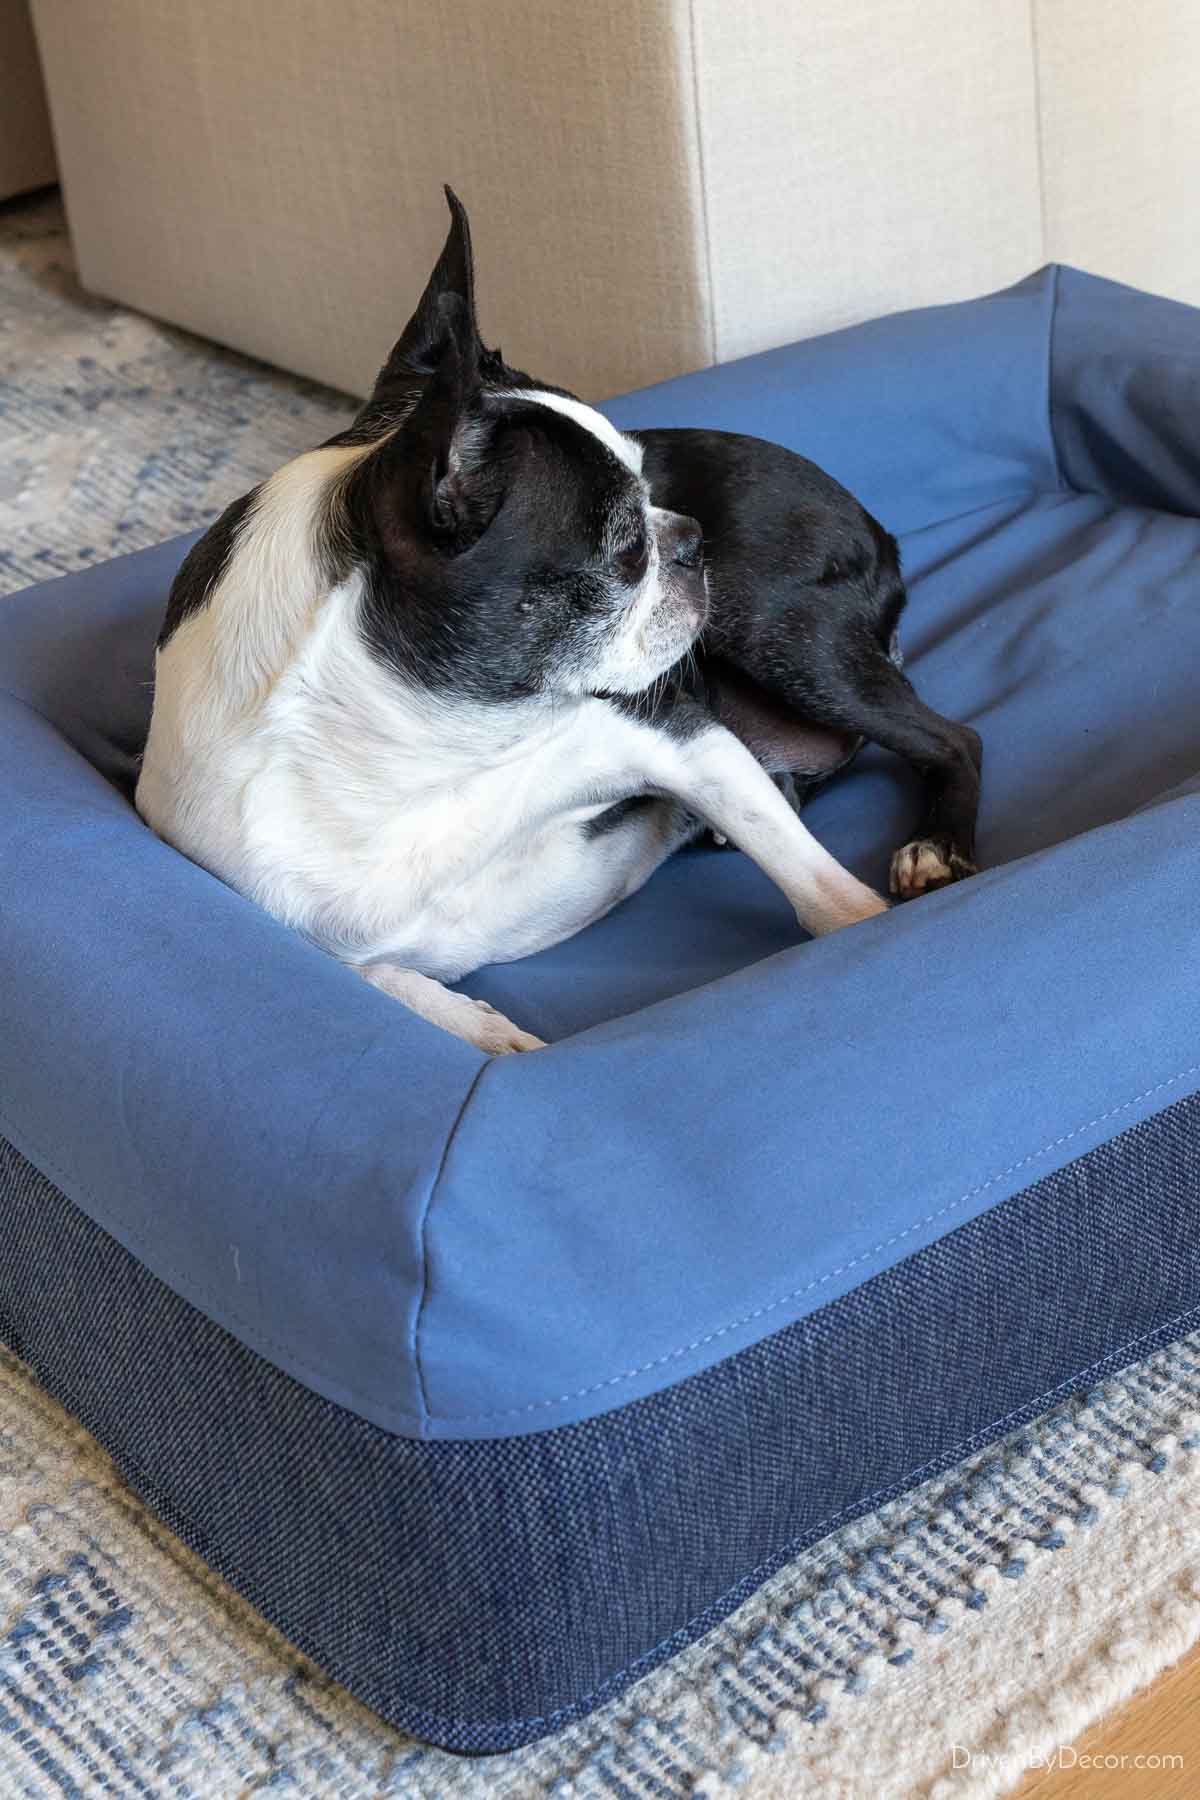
(481, 1594)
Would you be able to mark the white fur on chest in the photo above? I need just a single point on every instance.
(383, 822)
(439, 835)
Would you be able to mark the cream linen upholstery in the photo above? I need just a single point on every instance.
(654, 184)
(1121, 137)
(26, 149)
(859, 157)
(268, 172)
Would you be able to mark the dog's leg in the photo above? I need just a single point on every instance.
(715, 775)
(950, 758)
(869, 694)
(474, 1020)
(886, 708)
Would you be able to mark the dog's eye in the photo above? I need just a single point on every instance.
(832, 570)
(631, 558)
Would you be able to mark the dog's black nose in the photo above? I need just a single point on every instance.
(685, 541)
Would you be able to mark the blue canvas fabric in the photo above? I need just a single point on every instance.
(732, 1126)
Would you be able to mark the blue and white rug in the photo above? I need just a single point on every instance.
(939, 1646)
(117, 431)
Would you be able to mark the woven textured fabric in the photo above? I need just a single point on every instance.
(595, 1550)
(1002, 1605)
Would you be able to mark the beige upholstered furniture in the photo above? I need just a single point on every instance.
(26, 149)
(655, 184)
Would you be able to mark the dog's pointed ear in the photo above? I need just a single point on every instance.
(422, 344)
(448, 438)
(458, 496)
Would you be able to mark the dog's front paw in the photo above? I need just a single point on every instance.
(925, 864)
(498, 1036)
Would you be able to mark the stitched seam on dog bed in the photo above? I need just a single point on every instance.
(987, 1434)
(831, 1275)
(48, 1165)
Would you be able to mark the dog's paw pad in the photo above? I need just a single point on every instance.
(923, 865)
(498, 1036)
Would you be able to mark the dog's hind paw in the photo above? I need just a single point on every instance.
(925, 864)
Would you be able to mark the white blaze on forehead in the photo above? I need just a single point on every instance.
(622, 447)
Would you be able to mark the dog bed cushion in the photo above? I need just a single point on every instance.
(492, 1382)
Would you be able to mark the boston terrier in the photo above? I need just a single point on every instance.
(445, 690)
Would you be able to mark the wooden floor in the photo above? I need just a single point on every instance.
(1162, 1722)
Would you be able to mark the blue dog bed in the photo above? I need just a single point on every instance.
(492, 1383)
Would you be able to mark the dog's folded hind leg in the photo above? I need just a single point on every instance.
(949, 758)
(869, 694)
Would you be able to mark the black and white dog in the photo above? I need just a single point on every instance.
(443, 691)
